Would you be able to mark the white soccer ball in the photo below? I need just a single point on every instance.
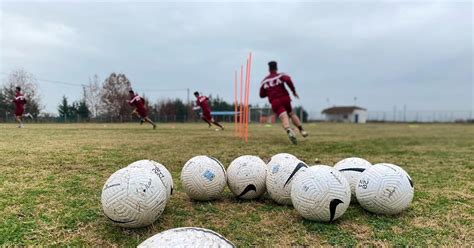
(283, 156)
(321, 193)
(385, 189)
(187, 237)
(203, 178)
(352, 168)
(246, 177)
(280, 156)
(133, 197)
(158, 169)
(281, 171)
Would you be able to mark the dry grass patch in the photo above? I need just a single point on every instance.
(51, 178)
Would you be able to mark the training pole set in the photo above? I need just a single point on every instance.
(241, 109)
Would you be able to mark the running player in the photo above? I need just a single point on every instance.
(203, 103)
(273, 87)
(140, 110)
(20, 102)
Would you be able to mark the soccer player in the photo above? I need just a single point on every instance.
(20, 102)
(202, 102)
(140, 111)
(273, 87)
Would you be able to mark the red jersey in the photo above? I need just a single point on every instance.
(137, 102)
(202, 101)
(19, 101)
(273, 86)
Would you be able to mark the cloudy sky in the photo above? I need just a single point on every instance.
(385, 53)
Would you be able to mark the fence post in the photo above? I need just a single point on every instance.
(301, 114)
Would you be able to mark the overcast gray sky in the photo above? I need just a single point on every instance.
(385, 53)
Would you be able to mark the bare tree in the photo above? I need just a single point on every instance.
(92, 95)
(113, 94)
(29, 87)
(171, 110)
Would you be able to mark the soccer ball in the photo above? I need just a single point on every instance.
(280, 156)
(186, 237)
(281, 172)
(385, 189)
(283, 156)
(246, 177)
(158, 169)
(133, 197)
(352, 168)
(321, 193)
(203, 178)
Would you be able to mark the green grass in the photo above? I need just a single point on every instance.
(51, 178)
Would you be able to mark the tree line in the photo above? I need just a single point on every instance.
(100, 100)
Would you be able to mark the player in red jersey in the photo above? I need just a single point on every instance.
(202, 102)
(273, 87)
(20, 102)
(140, 110)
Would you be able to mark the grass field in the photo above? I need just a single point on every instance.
(51, 177)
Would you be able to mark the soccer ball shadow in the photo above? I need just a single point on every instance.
(385, 217)
(264, 199)
(320, 227)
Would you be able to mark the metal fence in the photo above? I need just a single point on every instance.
(256, 116)
(104, 119)
(101, 119)
(411, 116)
(421, 116)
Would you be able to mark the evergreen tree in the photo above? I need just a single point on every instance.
(63, 109)
(73, 111)
(82, 110)
(298, 110)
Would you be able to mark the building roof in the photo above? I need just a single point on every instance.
(341, 110)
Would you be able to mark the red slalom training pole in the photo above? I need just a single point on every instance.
(241, 121)
(235, 104)
(246, 100)
(248, 95)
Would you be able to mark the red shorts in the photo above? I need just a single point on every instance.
(142, 112)
(207, 115)
(19, 111)
(281, 105)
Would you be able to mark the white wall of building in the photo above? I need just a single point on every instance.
(337, 117)
(362, 117)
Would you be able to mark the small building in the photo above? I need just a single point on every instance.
(351, 114)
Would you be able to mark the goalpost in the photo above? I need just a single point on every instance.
(263, 115)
